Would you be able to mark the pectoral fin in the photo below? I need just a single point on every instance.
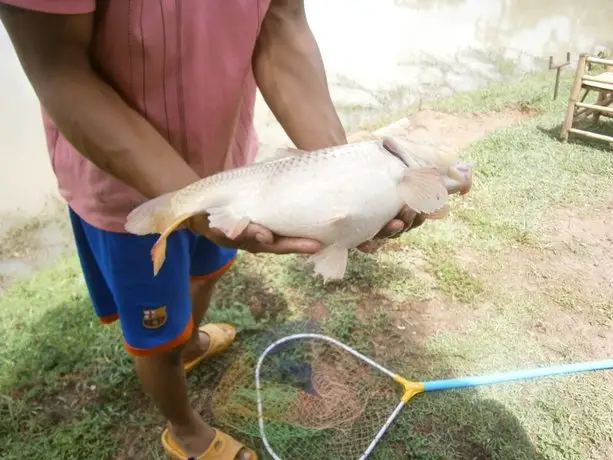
(423, 189)
(331, 262)
(223, 219)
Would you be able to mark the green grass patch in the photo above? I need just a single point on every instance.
(456, 282)
(533, 91)
(524, 171)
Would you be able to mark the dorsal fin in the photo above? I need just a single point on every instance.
(395, 148)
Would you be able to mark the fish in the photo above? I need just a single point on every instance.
(340, 196)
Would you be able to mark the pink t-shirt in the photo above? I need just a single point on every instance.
(185, 65)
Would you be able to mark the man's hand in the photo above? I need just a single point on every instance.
(254, 239)
(406, 220)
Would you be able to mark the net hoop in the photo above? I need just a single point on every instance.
(324, 338)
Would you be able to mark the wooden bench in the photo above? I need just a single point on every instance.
(578, 109)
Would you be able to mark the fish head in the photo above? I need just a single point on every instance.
(456, 173)
(459, 177)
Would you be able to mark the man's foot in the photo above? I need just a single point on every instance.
(210, 340)
(200, 441)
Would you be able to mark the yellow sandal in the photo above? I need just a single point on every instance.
(223, 447)
(221, 336)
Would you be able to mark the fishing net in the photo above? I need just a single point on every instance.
(318, 401)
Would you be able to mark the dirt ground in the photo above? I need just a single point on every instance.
(575, 271)
(573, 274)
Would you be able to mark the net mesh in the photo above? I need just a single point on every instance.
(318, 400)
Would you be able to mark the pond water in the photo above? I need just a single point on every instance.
(376, 52)
(381, 53)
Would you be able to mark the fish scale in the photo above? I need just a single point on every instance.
(340, 196)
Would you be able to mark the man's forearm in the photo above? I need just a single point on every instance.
(111, 135)
(53, 50)
(291, 77)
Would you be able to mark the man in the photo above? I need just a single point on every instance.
(143, 97)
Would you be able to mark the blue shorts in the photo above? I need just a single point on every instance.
(155, 312)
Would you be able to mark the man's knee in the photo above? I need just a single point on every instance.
(204, 287)
(208, 280)
(159, 359)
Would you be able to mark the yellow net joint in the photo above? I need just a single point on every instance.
(410, 388)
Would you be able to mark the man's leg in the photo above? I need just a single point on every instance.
(163, 379)
(156, 320)
(208, 263)
(201, 294)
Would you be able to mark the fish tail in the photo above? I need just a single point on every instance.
(156, 216)
(158, 253)
(158, 250)
(153, 216)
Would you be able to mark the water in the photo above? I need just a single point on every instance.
(384, 52)
(376, 52)
(26, 179)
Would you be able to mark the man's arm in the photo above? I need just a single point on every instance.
(290, 74)
(53, 50)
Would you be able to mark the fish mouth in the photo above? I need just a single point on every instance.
(460, 178)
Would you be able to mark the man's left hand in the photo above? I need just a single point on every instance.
(406, 220)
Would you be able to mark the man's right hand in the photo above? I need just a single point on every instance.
(255, 239)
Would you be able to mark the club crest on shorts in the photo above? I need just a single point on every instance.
(154, 318)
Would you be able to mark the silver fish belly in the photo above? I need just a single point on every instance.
(344, 198)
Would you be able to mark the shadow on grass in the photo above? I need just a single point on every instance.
(69, 385)
(456, 426)
(448, 425)
(604, 127)
(364, 273)
(72, 392)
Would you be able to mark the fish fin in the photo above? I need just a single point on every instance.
(394, 147)
(158, 251)
(423, 189)
(331, 262)
(158, 254)
(152, 216)
(224, 220)
(440, 213)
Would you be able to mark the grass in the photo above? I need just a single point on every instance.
(444, 300)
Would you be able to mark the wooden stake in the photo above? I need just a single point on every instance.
(558, 69)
